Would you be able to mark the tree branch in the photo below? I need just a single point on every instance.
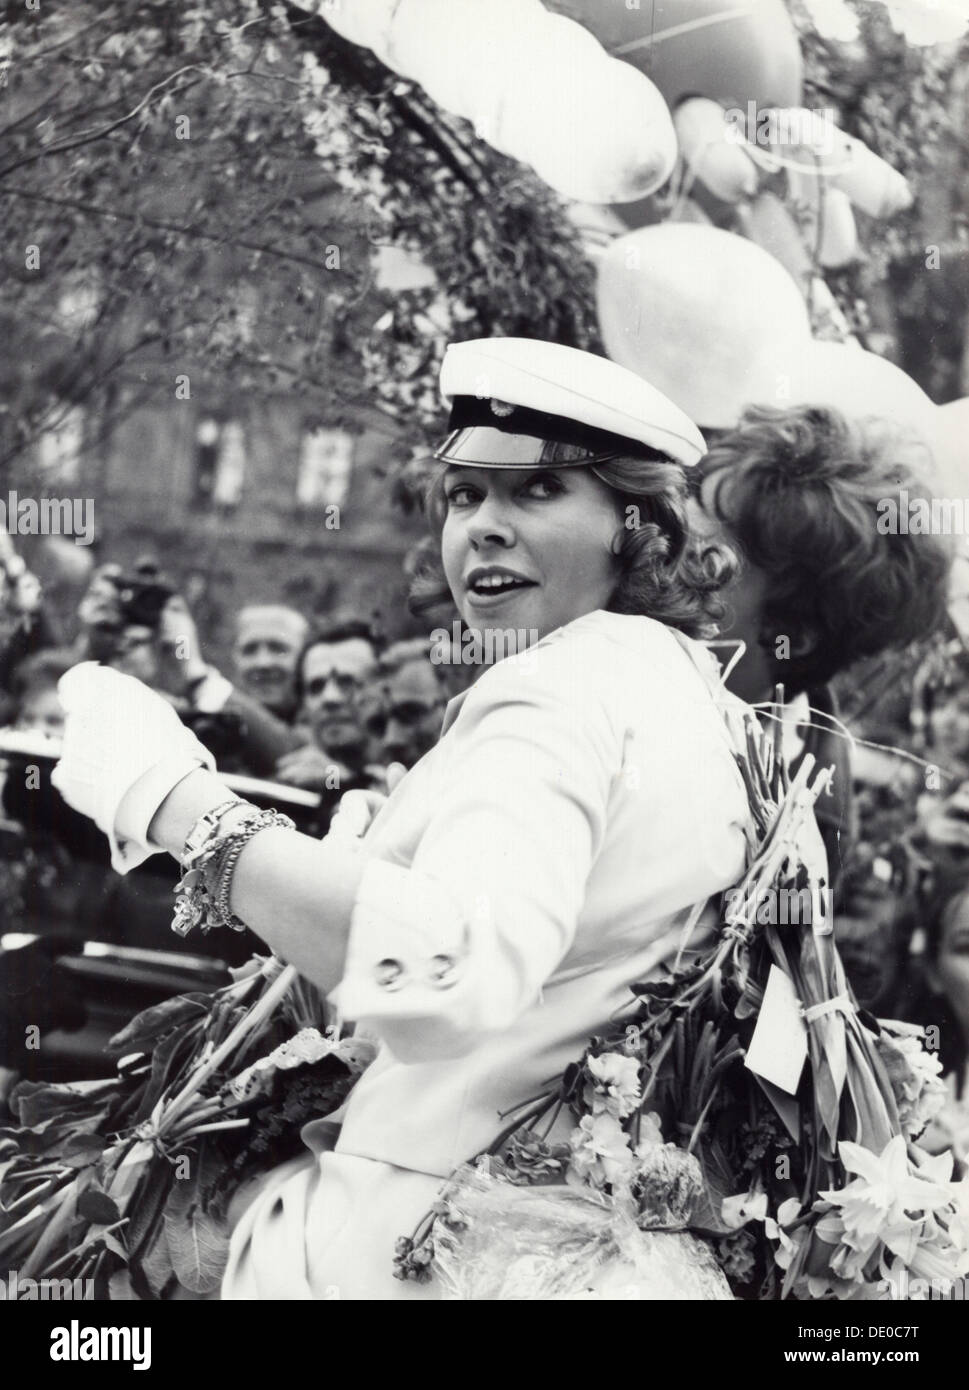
(199, 234)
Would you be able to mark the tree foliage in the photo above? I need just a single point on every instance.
(909, 105)
(217, 189)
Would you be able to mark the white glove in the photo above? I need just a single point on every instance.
(359, 808)
(124, 749)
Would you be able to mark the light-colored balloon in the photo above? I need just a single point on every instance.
(768, 222)
(704, 315)
(871, 183)
(861, 385)
(838, 243)
(809, 147)
(826, 221)
(731, 52)
(605, 135)
(536, 85)
(366, 22)
(712, 151)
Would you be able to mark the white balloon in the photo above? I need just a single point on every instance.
(366, 22)
(537, 86)
(704, 315)
(456, 51)
(604, 135)
(838, 233)
(861, 385)
(871, 183)
(711, 149)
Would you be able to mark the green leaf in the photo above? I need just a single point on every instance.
(98, 1207)
(80, 1150)
(155, 1264)
(150, 1025)
(199, 1248)
(33, 1102)
(145, 1214)
(718, 1182)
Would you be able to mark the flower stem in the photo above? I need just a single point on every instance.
(247, 1024)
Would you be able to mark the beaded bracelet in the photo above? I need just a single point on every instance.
(209, 860)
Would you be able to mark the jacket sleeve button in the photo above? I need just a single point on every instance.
(389, 973)
(443, 972)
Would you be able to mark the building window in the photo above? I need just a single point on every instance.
(220, 462)
(325, 465)
(59, 449)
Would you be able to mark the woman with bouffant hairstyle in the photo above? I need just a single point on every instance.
(796, 493)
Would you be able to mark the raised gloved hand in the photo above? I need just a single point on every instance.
(124, 749)
(359, 808)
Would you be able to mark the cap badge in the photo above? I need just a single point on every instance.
(502, 409)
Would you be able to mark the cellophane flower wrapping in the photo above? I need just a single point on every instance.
(497, 1240)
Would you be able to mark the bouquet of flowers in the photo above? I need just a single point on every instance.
(744, 1130)
(744, 1103)
(126, 1181)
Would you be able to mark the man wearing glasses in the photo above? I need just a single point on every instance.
(407, 721)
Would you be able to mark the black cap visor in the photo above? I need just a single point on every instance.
(487, 434)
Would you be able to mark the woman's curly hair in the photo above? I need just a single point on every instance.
(663, 573)
(802, 490)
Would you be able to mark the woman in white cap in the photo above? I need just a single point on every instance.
(540, 859)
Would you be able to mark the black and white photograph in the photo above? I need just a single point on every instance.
(484, 665)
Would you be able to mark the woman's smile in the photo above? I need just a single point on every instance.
(488, 586)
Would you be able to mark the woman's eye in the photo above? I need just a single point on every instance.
(546, 485)
(460, 496)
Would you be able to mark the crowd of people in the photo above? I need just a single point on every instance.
(325, 708)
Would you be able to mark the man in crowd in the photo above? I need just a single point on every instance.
(269, 638)
(262, 702)
(413, 696)
(333, 680)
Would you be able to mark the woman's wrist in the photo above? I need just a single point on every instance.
(190, 798)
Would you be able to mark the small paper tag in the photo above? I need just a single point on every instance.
(779, 1048)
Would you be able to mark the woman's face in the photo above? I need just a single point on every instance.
(529, 548)
(950, 970)
(744, 597)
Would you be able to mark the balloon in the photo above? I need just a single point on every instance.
(712, 151)
(809, 146)
(768, 222)
(734, 53)
(839, 235)
(871, 183)
(536, 85)
(827, 222)
(704, 315)
(861, 385)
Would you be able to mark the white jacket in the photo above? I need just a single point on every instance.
(537, 862)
